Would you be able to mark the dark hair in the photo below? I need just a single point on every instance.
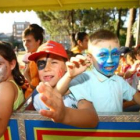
(78, 36)
(35, 30)
(132, 54)
(70, 54)
(124, 50)
(137, 49)
(102, 34)
(7, 52)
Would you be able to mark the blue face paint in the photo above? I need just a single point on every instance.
(107, 61)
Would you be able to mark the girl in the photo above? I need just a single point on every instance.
(11, 95)
(79, 42)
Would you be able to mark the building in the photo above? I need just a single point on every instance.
(6, 37)
(18, 28)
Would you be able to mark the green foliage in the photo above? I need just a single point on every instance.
(66, 22)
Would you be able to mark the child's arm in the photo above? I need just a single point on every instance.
(137, 97)
(7, 97)
(75, 66)
(85, 116)
(130, 72)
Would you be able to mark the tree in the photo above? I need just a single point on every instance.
(68, 22)
(64, 23)
(129, 38)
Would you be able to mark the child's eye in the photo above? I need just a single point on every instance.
(102, 54)
(54, 62)
(41, 64)
(115, 54)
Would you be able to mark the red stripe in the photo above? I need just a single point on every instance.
(6, 135)
(89, 134)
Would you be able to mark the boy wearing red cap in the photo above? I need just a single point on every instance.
(50, 59)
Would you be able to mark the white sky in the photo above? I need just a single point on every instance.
(7, 20)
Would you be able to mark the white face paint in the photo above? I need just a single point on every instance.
(3, 69)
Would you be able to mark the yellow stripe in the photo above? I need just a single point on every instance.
(2, 138)
(51, 137)
(86, 130)
(9, 133)
(48, 137)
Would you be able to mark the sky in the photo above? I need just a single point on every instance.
(7, 20)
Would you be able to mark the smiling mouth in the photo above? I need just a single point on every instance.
(109, 68)
(48, 78)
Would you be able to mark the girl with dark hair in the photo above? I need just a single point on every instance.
(79, 42)
(11, 95)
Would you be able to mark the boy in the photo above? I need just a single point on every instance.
(103, 88)
(32, 38)
(100, 86)
(50, 59)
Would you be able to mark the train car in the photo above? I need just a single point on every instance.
(30, 125)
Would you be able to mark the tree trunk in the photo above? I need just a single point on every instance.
(129, 37)
(119, 23)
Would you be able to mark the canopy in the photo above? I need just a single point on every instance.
(45, 5)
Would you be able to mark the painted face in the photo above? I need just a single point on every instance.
(106, 57)
(30, 44)
(51, 69)
(5, 69)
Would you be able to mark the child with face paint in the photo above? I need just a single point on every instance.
(50, 59)
(100, 85)
(11, 95)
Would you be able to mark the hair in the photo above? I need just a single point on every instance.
(137, 49)
(35, 30)
(131, 57)
(101, 35)
(78, 36)
(7, 52)
(71, 54)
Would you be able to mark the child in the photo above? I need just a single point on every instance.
(100, 86)
(11, 95)
(79, 42)
(32, 38)
(50, 59)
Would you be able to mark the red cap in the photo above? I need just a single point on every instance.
(47, 48)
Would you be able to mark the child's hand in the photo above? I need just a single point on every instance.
(25, 58)
(135, 66)
(77, 65)
(53, 100)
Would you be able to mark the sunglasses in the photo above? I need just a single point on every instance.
(41, 64)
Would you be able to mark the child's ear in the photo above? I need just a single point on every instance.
(79, 42)
(13, 64)
(39, 42)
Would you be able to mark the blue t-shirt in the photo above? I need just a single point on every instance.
(105, 93)
(69, 101)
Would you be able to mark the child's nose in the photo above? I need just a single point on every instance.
(48, 66)
(109, 59)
